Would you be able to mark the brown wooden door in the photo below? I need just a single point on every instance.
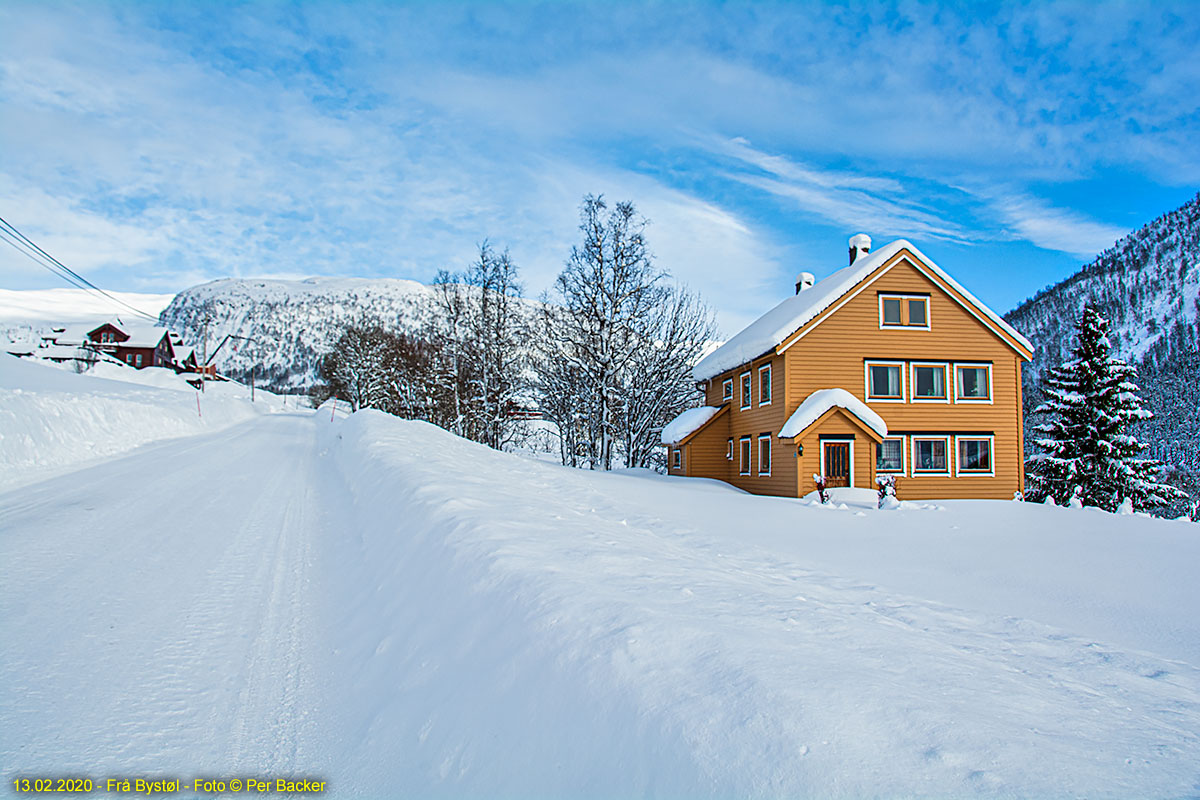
(837, 464)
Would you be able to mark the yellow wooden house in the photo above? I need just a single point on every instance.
(886, 367)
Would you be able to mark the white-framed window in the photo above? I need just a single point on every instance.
(973, 383)
(138, 360)
(929, 383)
(975, 456)
(885, 381)
(744, 455)
(745, 390)
(764, 385)
(727, 389)
(904, 311)
(930, 455)
(729, 450)
(677, 458)
(764, 454)
(889, 455)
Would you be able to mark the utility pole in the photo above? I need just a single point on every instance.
(204, 353)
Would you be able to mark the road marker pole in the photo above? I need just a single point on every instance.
(331, 413)
(198, 414)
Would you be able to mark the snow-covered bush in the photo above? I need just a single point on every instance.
(1076, 500)
(886, 487)
(822, 491)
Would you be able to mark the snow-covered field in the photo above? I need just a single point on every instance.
(65, 306)
(403, 613)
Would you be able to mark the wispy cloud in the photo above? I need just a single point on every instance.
(1059, 229)
(856, 202)
(159, 145)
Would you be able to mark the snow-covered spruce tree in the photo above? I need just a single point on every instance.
(1092, 405)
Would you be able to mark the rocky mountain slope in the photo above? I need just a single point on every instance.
(1148, 286)
(293, 323)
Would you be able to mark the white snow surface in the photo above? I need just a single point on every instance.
(769, 330)
(403, 613)
(688, 423)
(52, 418)
(50, 306)
(821, 401)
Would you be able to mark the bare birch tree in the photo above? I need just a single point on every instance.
(658, 384)
(623, 343)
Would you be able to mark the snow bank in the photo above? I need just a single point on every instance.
(52, 418)
(515, 629)
(688, 423)
(821, 401)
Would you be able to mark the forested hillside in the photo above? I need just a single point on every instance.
(1148, 286)
(293, 323)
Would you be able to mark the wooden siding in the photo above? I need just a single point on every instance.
(704, 454)
(753, 422)
(834, 354)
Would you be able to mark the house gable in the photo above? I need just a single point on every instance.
(842, 418)
(906, 259)
(690, 431)
(116, 334)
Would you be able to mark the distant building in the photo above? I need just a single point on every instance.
(137, 346)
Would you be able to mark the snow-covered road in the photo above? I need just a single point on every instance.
(158, 609)
(403, 613)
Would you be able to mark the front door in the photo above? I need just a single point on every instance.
(837, 463)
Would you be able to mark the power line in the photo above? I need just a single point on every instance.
(5, 237)
(31, 250)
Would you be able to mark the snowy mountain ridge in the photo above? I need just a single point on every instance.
(1147, 285)
(293, 322)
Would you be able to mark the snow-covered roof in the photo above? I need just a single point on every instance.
(769, 330)
(688, 423)
(821, 401)
(143, 336)
(71, 334)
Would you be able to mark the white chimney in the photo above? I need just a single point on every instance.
(860, 245)
(804, 281)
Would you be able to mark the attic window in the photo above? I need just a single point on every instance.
(916, 311)
(891, 311)
(904, 311)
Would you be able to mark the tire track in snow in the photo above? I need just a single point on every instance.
(169, 625)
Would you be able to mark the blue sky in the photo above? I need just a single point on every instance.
(154, 146)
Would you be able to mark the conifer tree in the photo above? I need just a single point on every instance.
(1088, 442)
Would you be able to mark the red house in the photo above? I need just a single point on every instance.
(137, 345)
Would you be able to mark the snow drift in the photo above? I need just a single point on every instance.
(518, 629)
(52, 418)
